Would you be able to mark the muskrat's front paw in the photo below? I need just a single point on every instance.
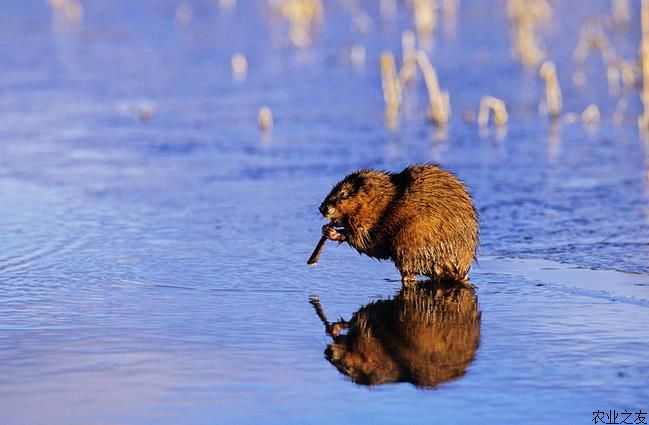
(329, 232)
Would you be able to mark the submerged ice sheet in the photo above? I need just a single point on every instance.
(152, 264)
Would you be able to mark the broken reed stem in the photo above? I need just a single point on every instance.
(490, 103)
(553, 101)
(527, 47)
(239, 66)
(592, 37)
(391, 87)
(524, 16)
(302, 15)
(591, 115)
(643, 121)
(425, 12)
(450, 11)
(265, 119)
(440, 110)
(621, 12)
(408, 72)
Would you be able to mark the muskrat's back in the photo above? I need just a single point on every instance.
(433, 223)
(422, 218)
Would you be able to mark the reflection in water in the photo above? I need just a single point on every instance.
(425, 335)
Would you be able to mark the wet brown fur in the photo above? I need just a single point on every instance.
(422, 218)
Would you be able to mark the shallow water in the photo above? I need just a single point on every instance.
(153, 271)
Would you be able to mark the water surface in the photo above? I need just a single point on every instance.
(153, 271)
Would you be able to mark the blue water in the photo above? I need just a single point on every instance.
(153, 271)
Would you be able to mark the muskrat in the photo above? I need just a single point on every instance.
(422, 218)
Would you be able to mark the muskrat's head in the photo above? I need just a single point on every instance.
(341, 202)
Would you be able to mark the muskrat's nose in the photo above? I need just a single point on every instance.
(323, 210)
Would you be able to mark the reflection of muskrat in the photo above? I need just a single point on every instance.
(421, 218)
(425, 335)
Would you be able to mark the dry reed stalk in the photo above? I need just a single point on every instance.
(265, 119)
(643, 121)
(620, 109)
(553, 101)
(524, 16)
(425, 13)
(629, 73)
(391, 87)
(72, 10)
(490, 103)
(440, 109)
(357, 56)
(527, 46)
(302, 16)
(239, 65)
(591, 115)
(621, 75)
(449, 12)
(408, 72)
(613, 78)
(592, 37)
(621, 12)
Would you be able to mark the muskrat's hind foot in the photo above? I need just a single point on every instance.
(329, 232)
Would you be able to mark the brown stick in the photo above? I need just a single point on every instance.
(313, 259)
(315, 302)
(332, 329)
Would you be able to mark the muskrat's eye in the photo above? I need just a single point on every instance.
(344, 194)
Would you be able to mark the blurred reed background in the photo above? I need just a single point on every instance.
(428, 22)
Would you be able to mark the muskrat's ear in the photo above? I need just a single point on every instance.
(357, 182)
